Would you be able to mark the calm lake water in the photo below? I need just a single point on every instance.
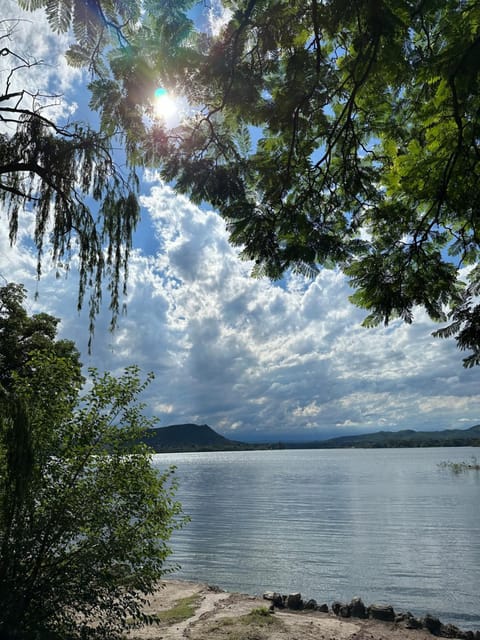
(388, 525)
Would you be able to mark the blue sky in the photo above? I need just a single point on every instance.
(253, 359)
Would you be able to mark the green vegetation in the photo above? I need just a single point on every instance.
(84, 517)
(259, 615)
(182, 610)
(188, 437)
(192, 437)
(461, 467)
(326, 134)
(406, 438)
(21, 335)
(56, 169)
(247, 627)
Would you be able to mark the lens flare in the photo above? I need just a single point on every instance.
(165, 105)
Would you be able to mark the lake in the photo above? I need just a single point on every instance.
(388, 525)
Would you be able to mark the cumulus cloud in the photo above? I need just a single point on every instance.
(253, 359)
(218, 17)
(34, 62)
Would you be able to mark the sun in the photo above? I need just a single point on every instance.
(165, 104)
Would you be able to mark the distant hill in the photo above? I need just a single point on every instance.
(406, 438)
(194, 437)
(190, 437)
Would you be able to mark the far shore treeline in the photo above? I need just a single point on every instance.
(193, 437)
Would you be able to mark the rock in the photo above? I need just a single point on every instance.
(341, 609)
(215, 588)
(450, 631)
(275, 598)
(408, 621)
(357, 608)
(383, 612)
(279, 600)
(432, 624)
(323, 608)
(336, 607)
(402, 617)
(310, 604)
(294, 601)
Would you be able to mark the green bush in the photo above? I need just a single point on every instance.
(84, 517)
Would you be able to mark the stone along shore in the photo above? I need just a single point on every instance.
(383, 612)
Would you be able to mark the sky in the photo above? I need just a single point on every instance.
(253, 359)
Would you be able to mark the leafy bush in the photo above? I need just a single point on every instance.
(84, 517)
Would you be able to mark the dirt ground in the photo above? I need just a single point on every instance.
(217, 615)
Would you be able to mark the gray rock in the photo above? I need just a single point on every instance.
(275, 598)
(383, 612)
(294, 601)
(323, 608)
(310, 604)
(450, 631)
(357, 608)
(432, 624)
(408, 621)
(215, 588)
(336, 607)
(341, 609)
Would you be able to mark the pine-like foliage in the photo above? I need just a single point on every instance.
(66, 175)
(325, 133)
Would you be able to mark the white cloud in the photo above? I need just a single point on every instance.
(245, 356)
(249, 357)
(218, 17)
(35, 62)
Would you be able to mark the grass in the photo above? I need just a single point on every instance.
(461, 467)
(246, 627)
(182, 610)
(260, 616)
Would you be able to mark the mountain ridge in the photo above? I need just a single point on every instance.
(192, 437)
(403, 438)
(189, 437)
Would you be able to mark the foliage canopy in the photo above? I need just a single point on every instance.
(84, 517)
(21, 335)
(325, 133)
(66, 175)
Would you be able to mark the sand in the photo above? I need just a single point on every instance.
(218, 615)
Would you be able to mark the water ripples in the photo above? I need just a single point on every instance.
(383, 524)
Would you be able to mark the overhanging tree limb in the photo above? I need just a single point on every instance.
(57, 168)
(324, 133)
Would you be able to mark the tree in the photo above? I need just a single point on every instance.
(326, 134)
(54, 169)
(21, 335)
(84, 516)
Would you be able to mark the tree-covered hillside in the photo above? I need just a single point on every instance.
(192, 437)
(189, 437)
(405, 438)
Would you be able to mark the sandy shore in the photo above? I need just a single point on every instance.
(218, 615)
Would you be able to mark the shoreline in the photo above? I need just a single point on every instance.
(210, 613)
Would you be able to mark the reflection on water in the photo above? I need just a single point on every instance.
(387, 525)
